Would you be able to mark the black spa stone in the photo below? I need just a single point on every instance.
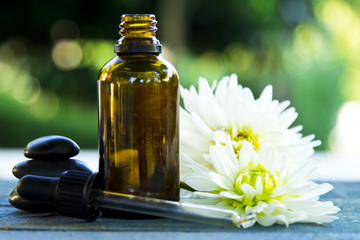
(17, 201)
(51, 147)
(47, 167)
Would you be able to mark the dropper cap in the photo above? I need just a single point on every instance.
(70, 193)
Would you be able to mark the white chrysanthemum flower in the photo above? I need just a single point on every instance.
(258, 182)
(241, 154)
(233, 110)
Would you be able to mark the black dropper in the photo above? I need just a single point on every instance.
(79, 194)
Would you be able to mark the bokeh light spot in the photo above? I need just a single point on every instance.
(97, 52)
(308, 41)
(7, 73)
(67, 54)
(46, 106)
(335, 14)
(343, 23)
(240, 59)
(27, 89)
(6, 53)
(211, 65)
(13, 51)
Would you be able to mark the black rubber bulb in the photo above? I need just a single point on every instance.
(38, 188)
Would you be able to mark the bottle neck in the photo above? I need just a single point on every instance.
(138, 34)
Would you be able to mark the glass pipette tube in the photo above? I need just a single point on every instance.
(170, 209)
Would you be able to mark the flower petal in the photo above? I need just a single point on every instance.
(232, 195)
(200, 182)
(259, 207)
(259, 186)
(246, 155)
(266, 220)
(248, 190)
(222, 162)
(273, 205)
(221, 181)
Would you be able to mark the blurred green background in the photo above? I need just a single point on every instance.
(51, 53)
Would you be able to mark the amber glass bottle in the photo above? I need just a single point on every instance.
(139, 115)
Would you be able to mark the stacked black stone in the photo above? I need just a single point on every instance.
(50, 157)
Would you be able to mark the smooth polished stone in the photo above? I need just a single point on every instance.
(51, 147)
(48, 168)
(30, 206)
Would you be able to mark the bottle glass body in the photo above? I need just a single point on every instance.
(139, 125)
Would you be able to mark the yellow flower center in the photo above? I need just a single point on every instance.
(267, 182)
(247, 134)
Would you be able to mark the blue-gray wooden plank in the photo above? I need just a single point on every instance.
(138, 235)
(15, 223)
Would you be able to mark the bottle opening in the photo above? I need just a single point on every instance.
(138, 34)
(137, 17)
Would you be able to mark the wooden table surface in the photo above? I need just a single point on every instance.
(16, 224)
